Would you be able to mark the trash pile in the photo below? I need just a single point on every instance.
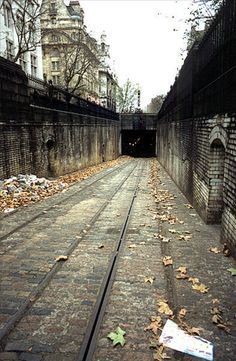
(26, 188)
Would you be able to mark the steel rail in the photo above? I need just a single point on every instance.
(90, 338)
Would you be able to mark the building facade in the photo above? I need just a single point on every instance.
(20, 35)
(70, 54)
(107, 80)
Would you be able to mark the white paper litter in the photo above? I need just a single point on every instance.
(173, 337)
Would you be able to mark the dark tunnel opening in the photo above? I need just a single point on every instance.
(138, 143)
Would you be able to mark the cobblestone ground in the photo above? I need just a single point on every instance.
(53, 324)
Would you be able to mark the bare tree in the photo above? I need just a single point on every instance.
(78, 64)
(202, 13)
(24, 18)
(127, 97)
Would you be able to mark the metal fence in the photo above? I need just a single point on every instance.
(47, 95)
(206, 84)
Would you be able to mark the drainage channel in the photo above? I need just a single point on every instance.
(89, 343)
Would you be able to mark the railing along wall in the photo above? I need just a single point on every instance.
(206, 84)
(47, 95)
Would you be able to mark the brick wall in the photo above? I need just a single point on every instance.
(44, 141)
(200, 155)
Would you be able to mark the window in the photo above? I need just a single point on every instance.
(23, 62)
(32, 33)
(55, 53)
(52, 9)
(31, 8)
(33, 60)
(56, 79)
(74, 36)
(7, 16)
(19, 23)
(9, 48)
(55, 38)
(55, 65)
(53, 6)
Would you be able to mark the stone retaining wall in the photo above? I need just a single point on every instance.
(44, 141)
(200, 155)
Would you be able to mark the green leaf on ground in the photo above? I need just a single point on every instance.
(232, 271)
(117, 337)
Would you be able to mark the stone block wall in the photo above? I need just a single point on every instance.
(47, 142)
(54, 143)
(200, 156)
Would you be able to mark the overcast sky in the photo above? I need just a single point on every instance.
(144, 43)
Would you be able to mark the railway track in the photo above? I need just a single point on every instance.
(90, 338)
(36, 292)
(132, 175)
(112, 276)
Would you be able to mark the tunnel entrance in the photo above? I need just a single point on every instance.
(138, 143)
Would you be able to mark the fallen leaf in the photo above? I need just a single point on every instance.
(200, 287)
(217, 319)
(149, 279)
(215, 250)
(195, 331)
(167, 260)
(232, 271)
(182, 273)
(61, 258)
(132, 246)
(215, 300)
(189, 206)
(182, 270)
(160, 354)
(185, 238)
(223, 327)
(220, 323)
(182, 276)
(155, 325)
(101, 246)
(164, 308)
(216, 311)
(172, 230)
(164, 239)
(117, 337)
(194, 280)
(182, 312)
(142, 243)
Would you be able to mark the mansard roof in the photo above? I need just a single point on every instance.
(74, 8)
